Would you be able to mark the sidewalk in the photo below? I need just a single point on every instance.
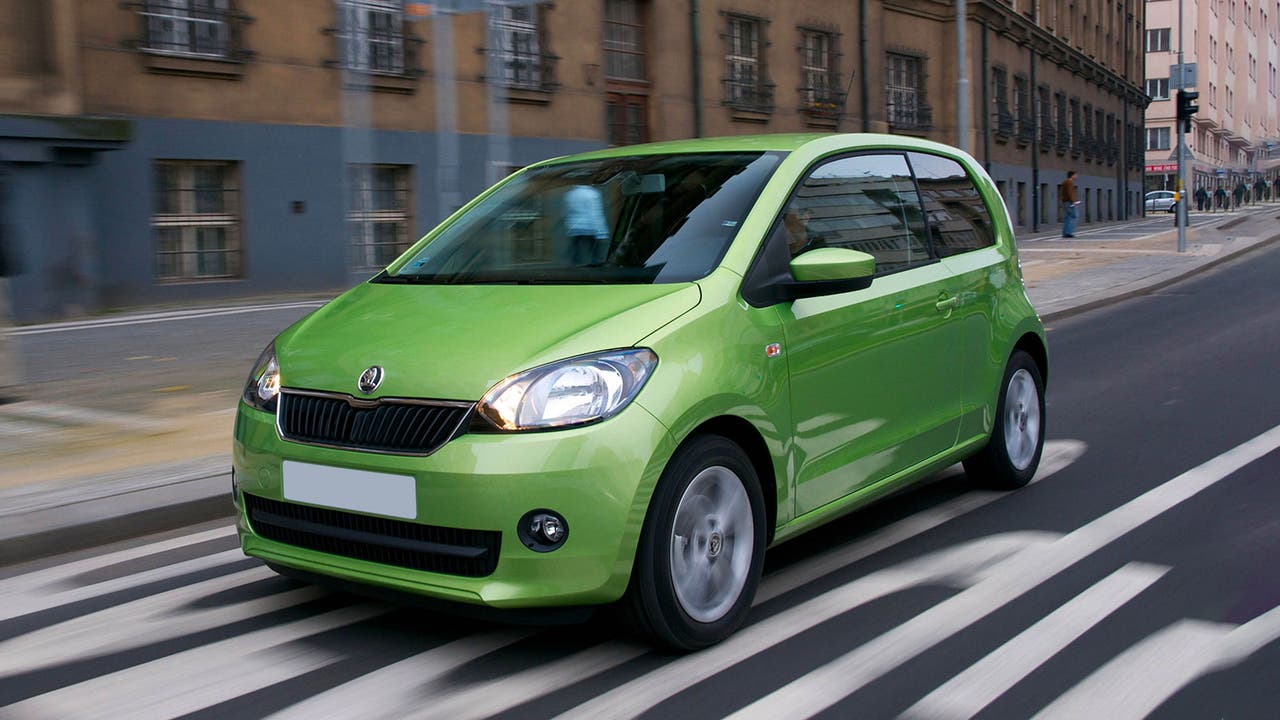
(72, 477)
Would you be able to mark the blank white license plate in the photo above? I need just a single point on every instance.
(359, 490)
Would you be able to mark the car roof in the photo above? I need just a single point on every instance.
(778, 142)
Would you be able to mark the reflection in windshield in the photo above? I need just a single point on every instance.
(644, 219)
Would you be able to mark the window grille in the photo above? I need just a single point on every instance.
(371, 34)
(817, 69)
(195, 28)
(519, 47)
(745, 86)
(623, 40)
(904, 92)
(379, 217)
(196, 223)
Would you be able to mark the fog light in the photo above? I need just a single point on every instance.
(542, 530)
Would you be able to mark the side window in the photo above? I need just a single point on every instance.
(864, 202)
(958, 218)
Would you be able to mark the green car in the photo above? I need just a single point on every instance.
(618, 377)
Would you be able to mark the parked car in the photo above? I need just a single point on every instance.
(1166, 200)
(618, 377)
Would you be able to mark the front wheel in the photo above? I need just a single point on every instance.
(702, 547)
(1012, 454)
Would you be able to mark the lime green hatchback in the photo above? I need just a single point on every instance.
(618, 377)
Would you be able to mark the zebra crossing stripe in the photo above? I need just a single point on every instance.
(968, 693)
(831, 683)
(1140, 679)
(195, 679)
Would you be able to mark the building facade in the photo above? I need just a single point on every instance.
(1235, 135)
(162, 151)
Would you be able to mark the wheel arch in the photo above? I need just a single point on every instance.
(1033, 345)
(748, 437)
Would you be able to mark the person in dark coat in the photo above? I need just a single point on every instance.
(1259, 190)
(1221, 195)
(1238, 195)
(1202, 198)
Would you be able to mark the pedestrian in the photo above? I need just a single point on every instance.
(1238, 195)
(586, 226)
(1259, 190)
(1221, 195)
(1067, 199)
(1202, 198)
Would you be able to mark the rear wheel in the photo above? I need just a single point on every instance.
(702, 547)
(1012, 454)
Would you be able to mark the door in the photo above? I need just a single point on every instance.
(873, 373)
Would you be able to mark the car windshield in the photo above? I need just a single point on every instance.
(637, 220)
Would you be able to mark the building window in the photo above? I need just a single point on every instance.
(1077, 139)
(379, 218)
(371, 35)
(1064, 129)
(626, 118)
(1158, 138)
(1158, 40)
(819, 91)
(745, 86)
(1000, 96)
(623, 40)
(1158, 88)
(196, 28)
(523, 62)
(196, 223)
(905, 98)
(1022, 108)
(1231, 96)
(1047, 131)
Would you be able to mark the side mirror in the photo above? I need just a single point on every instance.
(826, 264)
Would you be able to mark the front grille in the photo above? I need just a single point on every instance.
(471, 553)
(389, 426)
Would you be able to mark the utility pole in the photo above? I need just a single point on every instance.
(962, 80)
(1182, 139)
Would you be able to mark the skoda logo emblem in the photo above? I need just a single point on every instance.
(370, 380)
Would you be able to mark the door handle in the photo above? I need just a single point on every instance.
(946, 305)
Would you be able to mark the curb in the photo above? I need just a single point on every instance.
(1147, 289)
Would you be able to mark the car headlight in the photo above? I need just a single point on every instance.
(263, 386)
(569, 392)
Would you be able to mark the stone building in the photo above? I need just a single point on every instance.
(1235, 136)
(160, 151)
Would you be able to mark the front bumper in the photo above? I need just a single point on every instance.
(600, 478)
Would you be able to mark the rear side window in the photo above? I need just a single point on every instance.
(864, 202)
(958, 218)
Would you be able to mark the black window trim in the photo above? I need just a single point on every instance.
(759, 281)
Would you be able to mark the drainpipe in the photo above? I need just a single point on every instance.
(863, 90)
(697, 68)
(985, 113)
(1034, 93)
(1124, 135)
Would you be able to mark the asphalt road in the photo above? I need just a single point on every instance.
(1137, 577)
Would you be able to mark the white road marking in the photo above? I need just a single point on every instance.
(961, 566)
(1057, 455)
(195, 679)
(1143, 677)
(144, 621)
(490, 698)
(43, 581)
(968, 693)
(14, 605)
(397, 686)
(828, 685)
(150, 318)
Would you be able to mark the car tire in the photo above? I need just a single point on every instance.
(1012, 453)
(701, 549)
(1173, 208)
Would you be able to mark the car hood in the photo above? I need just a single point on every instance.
(454, 342)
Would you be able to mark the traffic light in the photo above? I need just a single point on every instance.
(1187, 108)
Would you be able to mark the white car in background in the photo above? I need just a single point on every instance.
(1166, 200)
